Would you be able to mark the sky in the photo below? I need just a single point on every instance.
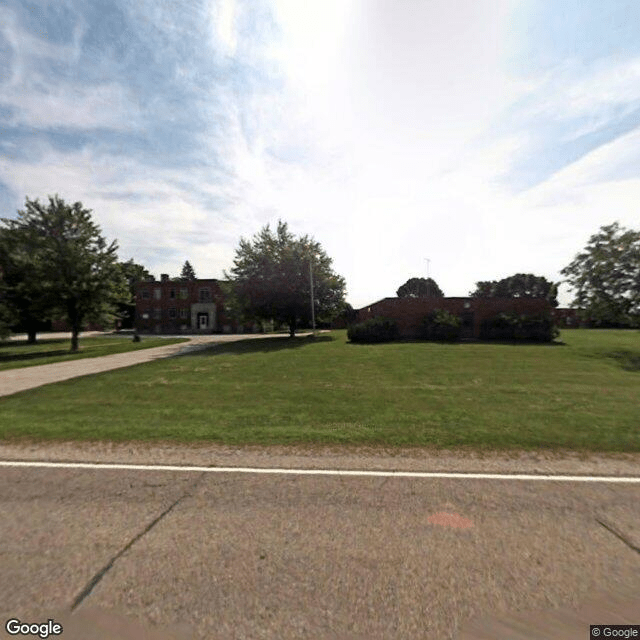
(463, 140)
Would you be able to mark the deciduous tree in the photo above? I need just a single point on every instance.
(26, 303)
(519, 285)
(420, 288)
(605, 276)
(79, 273)
(270, 278)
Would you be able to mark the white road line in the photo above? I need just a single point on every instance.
(320, 472)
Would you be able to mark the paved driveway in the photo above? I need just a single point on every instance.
(15, 380)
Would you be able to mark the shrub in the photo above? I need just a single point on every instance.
(441, 325)
(373, 330)
(513, 326)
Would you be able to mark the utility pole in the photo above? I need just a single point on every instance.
(313, 311)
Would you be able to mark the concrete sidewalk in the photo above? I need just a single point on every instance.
(15, 380)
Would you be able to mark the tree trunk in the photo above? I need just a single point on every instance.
(31, 336)
(76, 323)
(292, 328)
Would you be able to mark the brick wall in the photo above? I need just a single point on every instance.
(165, 306)
(410, 312)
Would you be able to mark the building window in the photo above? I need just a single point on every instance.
(184, 294)
(172, 294)
(172, 313)
(157, 293)
(145, 294)
(157, 314)
(204, 294)
(183, 313)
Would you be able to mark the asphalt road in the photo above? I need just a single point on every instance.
(252, 556)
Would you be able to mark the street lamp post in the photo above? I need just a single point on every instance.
(313, 311)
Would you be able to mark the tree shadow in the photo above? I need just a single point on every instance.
(628, 360)
(460, 343)
(23, 344)
(34, 355)
(260, 345)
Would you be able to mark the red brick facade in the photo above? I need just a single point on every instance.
(410, 312)
(185, 306)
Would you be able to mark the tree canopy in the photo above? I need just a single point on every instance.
(520, 285)
(26, 304)
(78, 272)
(420, 288)
(188, 272)
(605, 276)
(270, 278)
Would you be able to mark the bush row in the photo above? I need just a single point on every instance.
(441, 325)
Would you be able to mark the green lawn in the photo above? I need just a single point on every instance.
(17, 353)
(583, 394)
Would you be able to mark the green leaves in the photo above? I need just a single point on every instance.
(420, 288)
(58, 264)
(520, 285)
(606, 276)
(270, 278)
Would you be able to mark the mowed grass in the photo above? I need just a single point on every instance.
(583, 394)
(15, 354)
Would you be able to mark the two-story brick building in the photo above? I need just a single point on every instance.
(183, 306)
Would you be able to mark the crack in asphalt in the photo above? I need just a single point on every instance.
(618, 535)
(89, 587)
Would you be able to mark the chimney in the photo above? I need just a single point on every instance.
(164, 277)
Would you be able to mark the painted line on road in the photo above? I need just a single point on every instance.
(319, 472)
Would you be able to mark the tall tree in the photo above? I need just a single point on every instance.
(78, 270)
(270, 278)
(420, 288)
(26, 303)
(188, 272)
(605, 276)
(519, 285)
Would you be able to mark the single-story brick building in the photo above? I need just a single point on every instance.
(409, 313)
(183, 306)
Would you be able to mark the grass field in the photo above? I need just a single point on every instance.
(15, 354)
(583, 394)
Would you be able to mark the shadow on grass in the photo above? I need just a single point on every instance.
(23, 344)
(260, 345)
(34, 355)
(628, 360)
(460, 343)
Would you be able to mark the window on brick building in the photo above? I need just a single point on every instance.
(184, 294)
(157, 314)
(157, 293)
(172, 294)
(145, 294)
(204, 294)
(183, 313)
(172, 313)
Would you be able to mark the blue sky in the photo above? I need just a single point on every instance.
(489, 137)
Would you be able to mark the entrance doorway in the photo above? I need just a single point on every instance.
(467, 325)
(203, 320)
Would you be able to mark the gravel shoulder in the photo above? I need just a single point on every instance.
(316, 457)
